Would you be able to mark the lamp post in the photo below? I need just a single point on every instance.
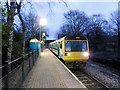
(43, 36)
(43, 22)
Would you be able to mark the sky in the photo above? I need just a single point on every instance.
(55, 18)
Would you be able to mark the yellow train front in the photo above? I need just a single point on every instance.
(71, 48)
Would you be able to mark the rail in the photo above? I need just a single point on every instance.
(89, 81)
(15, 77)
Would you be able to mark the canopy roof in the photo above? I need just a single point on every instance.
(34, 40)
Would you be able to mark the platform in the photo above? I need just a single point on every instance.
(49, 72)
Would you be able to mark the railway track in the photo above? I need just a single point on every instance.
(89, 81)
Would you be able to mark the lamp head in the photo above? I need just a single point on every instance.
(43, 21)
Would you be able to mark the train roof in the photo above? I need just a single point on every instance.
(58, 40)
(75, 37)
(34, 40)
(71, 37)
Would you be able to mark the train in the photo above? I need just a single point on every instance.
(71, 49)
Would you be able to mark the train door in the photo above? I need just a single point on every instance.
(60, 50)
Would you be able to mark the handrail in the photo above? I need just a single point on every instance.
(3, 66)
(14, 60)
(30, 58)
(17, 59)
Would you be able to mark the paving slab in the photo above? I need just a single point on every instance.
(48, 72)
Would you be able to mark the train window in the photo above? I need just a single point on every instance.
(84, 46)
(75, 46)
(67, 46)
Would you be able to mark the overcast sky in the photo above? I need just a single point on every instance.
(55, 16)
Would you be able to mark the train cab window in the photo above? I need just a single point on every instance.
(75, 46)
(84, 46)
(67, 46)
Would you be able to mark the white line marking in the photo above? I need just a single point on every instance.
(71, 73)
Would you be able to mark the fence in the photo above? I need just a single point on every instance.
(15, 77)
(111, 47)
(104, 47)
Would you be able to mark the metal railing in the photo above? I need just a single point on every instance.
(15, 77)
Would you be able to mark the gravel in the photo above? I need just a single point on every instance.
(105, 74)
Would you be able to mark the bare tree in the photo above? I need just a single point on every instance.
(32, 26)
(96, 32)
(76, 22)
(115, 20)
(11, 7)
(22, 22)
(19, 11)
(11, 12)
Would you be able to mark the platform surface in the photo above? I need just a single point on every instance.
(48, 72)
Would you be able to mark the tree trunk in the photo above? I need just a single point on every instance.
(10, 21)
(118, 30)
(24, 30)
(23, 74)
(24, 44)
(23, 27)
(118, 45)
(96, 49)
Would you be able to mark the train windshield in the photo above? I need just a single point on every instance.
(75, 46)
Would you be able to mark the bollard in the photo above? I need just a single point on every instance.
(38, 52)
(23, 67)
(7, 77)
(33, 58)
(29, 61)
(35, 54)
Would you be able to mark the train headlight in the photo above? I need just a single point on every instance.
(67, 54)
(85, 54)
